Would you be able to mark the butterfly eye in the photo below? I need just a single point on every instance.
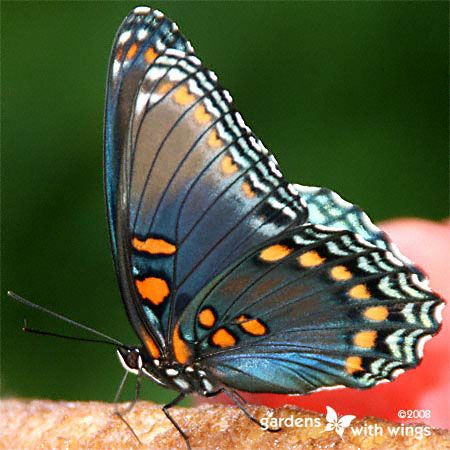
(131, 358)
(134, 360)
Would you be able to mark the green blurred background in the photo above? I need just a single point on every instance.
(349, 95)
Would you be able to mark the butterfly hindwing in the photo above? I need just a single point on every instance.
(316, 307)
(190, 188)
(327, 208)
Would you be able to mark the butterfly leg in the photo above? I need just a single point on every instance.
(121, 414)
(166, 408)
(240, 403)
(137, 396)
(239, 396)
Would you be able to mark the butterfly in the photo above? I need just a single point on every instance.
(232, 277)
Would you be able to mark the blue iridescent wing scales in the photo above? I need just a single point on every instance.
(316, 307)
(327, 208)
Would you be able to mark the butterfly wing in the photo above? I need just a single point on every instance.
(189, 187)
(327, 208)
(315, 307)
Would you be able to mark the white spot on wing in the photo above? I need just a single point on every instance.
(160, 46)
(408, 289)
(420, 345)
(362, 241)
(141, 10)
(384, 286)
(212, 75)
(422, 284)
(141, 102)
(116, 67)
(274, 168)
(409, 345)
(189, 47)
(176, 75)
(124, 37)
(424, 313)
(227, 96)
(393, 343)
(308, 189)
(195, 60)
(175, 52)
(396, 373)
(407, 312)
(438, 312)
(393, 259)
(195, 88)
(142, 34)
(155, 73)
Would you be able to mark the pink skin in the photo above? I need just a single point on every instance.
(428, 386)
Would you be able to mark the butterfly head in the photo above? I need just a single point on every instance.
(134, 360)
(130, 358)
(181, 378)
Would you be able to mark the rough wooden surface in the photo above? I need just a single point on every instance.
(43, 424)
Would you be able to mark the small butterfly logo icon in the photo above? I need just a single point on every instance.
(337, 424)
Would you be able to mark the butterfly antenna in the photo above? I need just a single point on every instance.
(26, 329)
(108, 339)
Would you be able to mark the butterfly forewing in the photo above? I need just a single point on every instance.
(190, 188)
(134, 51)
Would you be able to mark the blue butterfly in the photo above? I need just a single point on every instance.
(233, 278)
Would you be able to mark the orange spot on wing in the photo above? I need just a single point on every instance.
(365, 339)
(340, 273)
(310, 259)
(201, 115)
(154, 246)
(207, 318)
(248, 191)
(275, 252)
(182, 96)
(119, 53)
(153, 289)
(150, 55)
(164, 88)
(150, 344)
(353, 364)
(131, 53)
(223, 338)
(254, 326)
(214, 140)
(377, 313)
(359, 292)
(228, 166)
(181, 350)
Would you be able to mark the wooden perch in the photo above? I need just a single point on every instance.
(43, 424)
